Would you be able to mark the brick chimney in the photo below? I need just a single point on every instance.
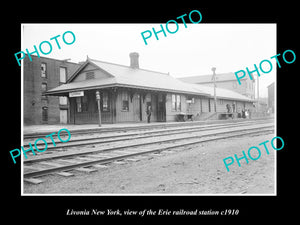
(134, 60)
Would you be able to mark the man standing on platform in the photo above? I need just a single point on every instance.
(148, 112)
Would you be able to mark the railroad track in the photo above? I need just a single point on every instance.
(142, 127)
(98, 155)
(100, 138)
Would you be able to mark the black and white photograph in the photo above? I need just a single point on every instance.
(105, 113)
(142, 113)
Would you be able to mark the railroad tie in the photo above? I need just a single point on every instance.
(31, 168)
(100, 166)
(33, 180)
(169, 151)
(70, 161)
(108, 155)
(119, 162)
(101, 156)
(64, 174)
(142, 157)
(154, 154)
(83, 169)
(50, 164)
(90, 158)
(132, 159)
(121, 152)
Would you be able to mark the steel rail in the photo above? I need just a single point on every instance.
(130, 145)
(115, 158)
(145, 126)
(172, 145)
(129, 136)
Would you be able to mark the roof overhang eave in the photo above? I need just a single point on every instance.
(164, 90)
(235, 99)
(66, 91)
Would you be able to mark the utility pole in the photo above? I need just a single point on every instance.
(99, 109)
(257, 93)
(215, 85)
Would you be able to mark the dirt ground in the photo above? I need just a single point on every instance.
(197, 169)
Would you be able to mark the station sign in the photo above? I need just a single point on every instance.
(76, 94)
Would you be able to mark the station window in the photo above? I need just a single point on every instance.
(105, 102)
(176, 103)
(45, 114)
(62, 74)
(84, 101)
(148, 100)
(125, 101)
(160, 98)
(78, 104)
(43, 70)
(82, 104)
(63, 100)
(44, 87)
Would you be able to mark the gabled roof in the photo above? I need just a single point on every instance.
(125, 76)
(201, 79)
(223, 93)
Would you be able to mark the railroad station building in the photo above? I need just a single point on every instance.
(126, 91)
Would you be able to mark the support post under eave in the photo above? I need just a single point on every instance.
(99, 109)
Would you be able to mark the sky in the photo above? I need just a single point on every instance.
(190, 51)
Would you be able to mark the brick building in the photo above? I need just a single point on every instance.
(226, 81)
(40, 75)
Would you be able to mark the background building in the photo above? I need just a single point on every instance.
(271, 97)
(42, 74)
(226, 81)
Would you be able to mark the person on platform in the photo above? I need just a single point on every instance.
(228, 108)
(243, 113)
(246, 114)
(148, 112)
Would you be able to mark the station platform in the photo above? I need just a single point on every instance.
(32, 129)
(47, 128)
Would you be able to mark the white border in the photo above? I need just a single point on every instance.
(22, 136)
(22, 109)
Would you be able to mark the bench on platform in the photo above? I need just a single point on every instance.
(182, 117)
(225, 115)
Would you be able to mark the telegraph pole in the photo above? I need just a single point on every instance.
(215, 85)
